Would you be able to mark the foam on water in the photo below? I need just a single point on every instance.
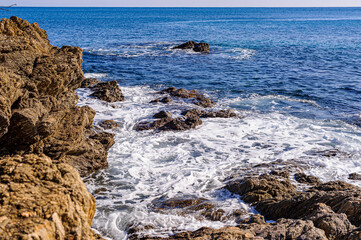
(144, 166)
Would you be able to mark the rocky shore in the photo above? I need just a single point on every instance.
(47, 143)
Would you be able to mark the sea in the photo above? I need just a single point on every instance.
(293, 74)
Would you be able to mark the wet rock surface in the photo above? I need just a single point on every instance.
(197, 47)
(109, 124)
(354, 176)
(108, 91)
(167, 123)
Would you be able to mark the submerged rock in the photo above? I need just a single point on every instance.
(108, 91)
(170, 124)
(197, 47)
(354, 176)
(229, 113)
(109, 124)
(43, 200)
(162, 100)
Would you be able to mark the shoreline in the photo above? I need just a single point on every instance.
(40, 134)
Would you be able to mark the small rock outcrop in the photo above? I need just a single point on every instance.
(197, 47)
(198, 98)
(109, 124)
(108, 91)
(89, 82)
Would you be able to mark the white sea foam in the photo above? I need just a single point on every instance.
(95, 75)
(144, 166)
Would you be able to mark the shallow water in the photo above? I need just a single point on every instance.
(294, 74)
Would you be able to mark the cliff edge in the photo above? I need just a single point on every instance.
(42, 132)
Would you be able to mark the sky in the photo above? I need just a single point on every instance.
(184, 3)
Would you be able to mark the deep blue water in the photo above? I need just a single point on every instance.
(308, 60)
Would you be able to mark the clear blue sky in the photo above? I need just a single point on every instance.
(186, 3)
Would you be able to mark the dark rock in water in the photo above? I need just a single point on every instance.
(303, 178)
(109, 124)
(162, 114)
(108, 91)
(210, 114)
(162, 100)
(354, 176)
(197, 47)
(89, 82)
(198, 98)
(169, 124)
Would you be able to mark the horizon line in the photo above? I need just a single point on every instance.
(189, 7)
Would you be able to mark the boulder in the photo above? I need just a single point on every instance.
(354, 176)
(109, 124)
(108, 91)
(197, 47)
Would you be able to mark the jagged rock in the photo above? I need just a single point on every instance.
(89, 82)
(197, 47)
(303, 178)
(43, 200)
(334, 206)
(336, 226)
(162, 100)
(354, 176)
(162, 114)
(38, 112)
(198, 98)
(281, 230)
(254, 190)
(167, 123)
(109, 124)
(210, 114)
(108, 91)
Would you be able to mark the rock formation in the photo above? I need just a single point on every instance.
(108, 91)
(41, 196)
(197, 47)
(42, 200)
(38, 112)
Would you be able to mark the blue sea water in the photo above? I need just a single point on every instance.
(295, 73)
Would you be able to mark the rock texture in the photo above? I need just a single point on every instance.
(38, 112)
(89, 82)
(108, 91)
(42, 200)
(198, 98)
(334, 207)
(42, 131)
(197, 47)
